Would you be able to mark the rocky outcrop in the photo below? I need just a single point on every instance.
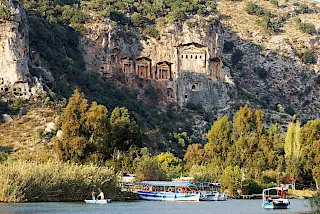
(274, 77)
(14, 51)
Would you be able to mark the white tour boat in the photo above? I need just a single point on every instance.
(168, 191)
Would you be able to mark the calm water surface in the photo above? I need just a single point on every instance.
(153, 207)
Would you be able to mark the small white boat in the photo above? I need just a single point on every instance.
(209, 192)
(168, 191)
(105, 201)
(277, 201)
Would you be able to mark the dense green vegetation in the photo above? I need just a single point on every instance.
(53, 181)
(240, 153)
(142, 14)
(89, 135)
(262, 154)
(237, 148)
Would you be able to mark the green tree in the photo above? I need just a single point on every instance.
(231, 178)
(246, 132)
(73, 143)
(170, 164)
(219, 141)
(125, 131)
(194, 155)
(292, 149)
(97, 128)
(310, 149)
(148, 168)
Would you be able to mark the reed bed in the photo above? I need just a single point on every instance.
(22, 181)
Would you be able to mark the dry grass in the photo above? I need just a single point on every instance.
(302, 193)
(21, 132)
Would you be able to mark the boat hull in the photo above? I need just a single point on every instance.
(98, 201)
(277, 204)
(166, 196)
(213, 196)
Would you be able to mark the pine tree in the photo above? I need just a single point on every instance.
(73, 143)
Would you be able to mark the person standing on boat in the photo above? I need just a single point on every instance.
(93, 194)
(101, 195)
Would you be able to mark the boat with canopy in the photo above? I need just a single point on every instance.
(168, 191)
(275, 198)
(209, 192)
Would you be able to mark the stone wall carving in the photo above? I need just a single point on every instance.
(192, 58)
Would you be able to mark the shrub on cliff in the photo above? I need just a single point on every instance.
(261, 72)
(5, 13)
(255, 9)
(303, 8)
(236, 57)
(151, 31)
(270, 26)
(305, 27)
(307, 57)
(228, 47)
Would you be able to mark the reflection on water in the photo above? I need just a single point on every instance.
(152, 207)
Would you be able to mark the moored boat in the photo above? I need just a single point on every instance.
(168, 191)
(105, 201)
(209, 192)
(277, 201)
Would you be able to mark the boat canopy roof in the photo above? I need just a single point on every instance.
(167, 184)
(275, 188)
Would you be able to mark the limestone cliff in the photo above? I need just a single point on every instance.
(14, 50)
(270, 66)
(184, 62)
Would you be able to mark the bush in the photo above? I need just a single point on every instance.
(236, 57)
(254, 9)
(252, 187)
(151, 31)
(228, 47)
(151, 93)
(274, 2)
(307, 57)
(262, 73)
(315, 203)
(5, 13)
(303, 8)
(269, 25)
(289, 110)
(305, 27)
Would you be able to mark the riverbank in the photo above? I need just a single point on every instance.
(301, 194)
(22, 181)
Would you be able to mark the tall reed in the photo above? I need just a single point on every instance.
(22, 181)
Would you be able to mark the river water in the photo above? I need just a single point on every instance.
(152, 207)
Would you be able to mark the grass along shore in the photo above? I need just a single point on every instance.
(22, 181)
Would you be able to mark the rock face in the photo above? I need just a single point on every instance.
(14, 51)
(184, 62)
(275, 78)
